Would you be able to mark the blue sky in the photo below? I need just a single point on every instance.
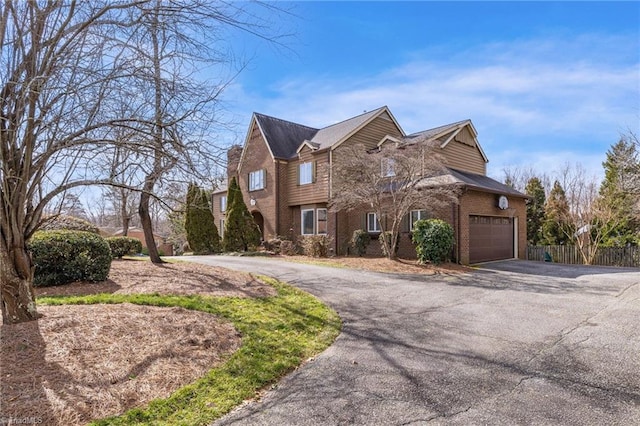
(543, 82)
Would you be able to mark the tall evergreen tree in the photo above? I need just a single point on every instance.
(202, 233)
(535, 210)
(240, 232)
(620, 172)
(555, 225)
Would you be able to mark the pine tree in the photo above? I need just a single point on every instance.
(535, 210)
(620, 170)
(202, 233)
(241, 232)
(555, 227)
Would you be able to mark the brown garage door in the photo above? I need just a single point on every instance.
(490, 238)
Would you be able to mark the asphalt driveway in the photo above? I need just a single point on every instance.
(512, 343)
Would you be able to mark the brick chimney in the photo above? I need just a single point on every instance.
(233, 159)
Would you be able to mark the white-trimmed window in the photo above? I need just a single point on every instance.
(223, 203)
(305, 173)
(307, 220)
(415, 216)
(321, 221)
(221, 229)
(373, 224)
(256, 180)
(388, 167)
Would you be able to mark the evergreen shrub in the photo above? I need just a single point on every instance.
(63, 256)
(433, 239)
(121, 246)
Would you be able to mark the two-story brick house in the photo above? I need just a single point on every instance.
(284, 171)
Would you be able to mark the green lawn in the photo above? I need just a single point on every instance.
(278, 333)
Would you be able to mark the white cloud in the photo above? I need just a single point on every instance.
(532, 101)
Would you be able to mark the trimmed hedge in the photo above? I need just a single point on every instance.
(63, 256)
(433, 239)
(121, 246)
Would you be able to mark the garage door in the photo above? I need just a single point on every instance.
(490, 238)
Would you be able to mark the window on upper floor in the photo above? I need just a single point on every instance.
(256, 180)
(305, 173)
(388, 167)
(415, 216)
(373, 224)
(223, 203)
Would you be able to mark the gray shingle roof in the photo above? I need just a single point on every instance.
(329, 135)
(471, 181)
(429, 133)
(283, 137)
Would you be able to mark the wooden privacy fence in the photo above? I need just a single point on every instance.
(606, 256)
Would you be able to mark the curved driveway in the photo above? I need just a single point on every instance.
(512, 343)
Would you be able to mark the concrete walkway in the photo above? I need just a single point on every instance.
(511, 343)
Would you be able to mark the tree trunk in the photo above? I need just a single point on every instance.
(147, 226)
(124, 212)
(16, 282)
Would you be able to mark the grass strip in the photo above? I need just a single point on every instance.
(278, 333)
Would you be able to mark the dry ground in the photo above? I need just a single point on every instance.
(79, 363)
(399, 266)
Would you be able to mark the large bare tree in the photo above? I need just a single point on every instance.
(64, 67)
(393, 180)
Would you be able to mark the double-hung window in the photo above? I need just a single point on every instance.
(221, 230)
(373, 224)
(388, 167)
(256, 180)
(415, 216)
(305, 173)
(223, 203)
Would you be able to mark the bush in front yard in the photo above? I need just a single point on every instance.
(62, 257)
(121, 246)
(360, 241)
(288, 248)
(433, 239)
(316, 245)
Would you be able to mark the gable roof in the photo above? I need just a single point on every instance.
(283, 137)
(334, 135)
(448, 129)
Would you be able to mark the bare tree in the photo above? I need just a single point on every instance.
(589, 218)
(61, 65)
(393, 180)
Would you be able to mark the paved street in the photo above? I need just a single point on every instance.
(512, 343)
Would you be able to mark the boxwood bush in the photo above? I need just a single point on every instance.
(63, 256)
(433, 239)
(121, 246)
